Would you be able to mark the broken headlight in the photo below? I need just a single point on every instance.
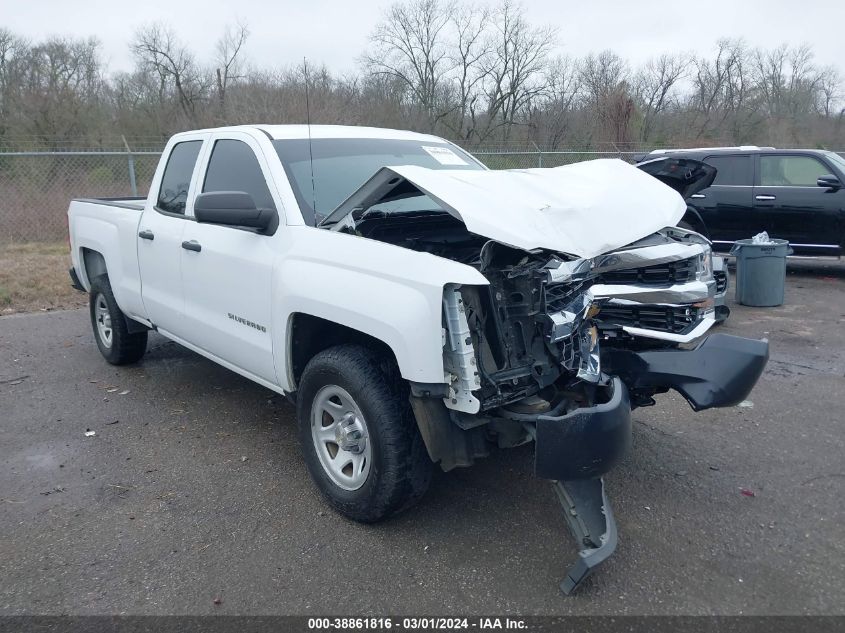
(704, 265)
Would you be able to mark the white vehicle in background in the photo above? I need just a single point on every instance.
(419, 308)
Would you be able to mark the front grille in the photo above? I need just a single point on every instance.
(558, 296)
(721, 278)
(677, 272)
(674, 319)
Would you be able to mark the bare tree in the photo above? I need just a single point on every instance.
(515, 67)
(60, 86)
(725, 95)
(601, 75)
(12, 48)
(470, 48)
(410, 46)
(555, 115)
(227, 62)
(606, 90)
(158, 51)
(654, 85)
(469, 71)
(829, 92)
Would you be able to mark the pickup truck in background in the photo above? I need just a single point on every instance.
(419, 308)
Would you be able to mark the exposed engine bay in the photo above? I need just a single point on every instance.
(535, 331)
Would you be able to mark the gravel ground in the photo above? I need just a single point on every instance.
(193, 492)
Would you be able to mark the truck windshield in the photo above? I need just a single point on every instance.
(342, 165)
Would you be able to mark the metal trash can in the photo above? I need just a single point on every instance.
(760, 271)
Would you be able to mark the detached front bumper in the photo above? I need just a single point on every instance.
(587, 442)
(575, 449)
(719, 372)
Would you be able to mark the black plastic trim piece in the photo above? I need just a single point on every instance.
(74, 280)
(585, 443)
(720, 372)
(590, 519)
(429, 389)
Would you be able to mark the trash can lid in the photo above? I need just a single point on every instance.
(773, 248)
(772, 242)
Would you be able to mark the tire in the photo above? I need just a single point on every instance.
(348, 394)
(117, 344)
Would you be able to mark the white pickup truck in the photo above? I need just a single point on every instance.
(418, 307)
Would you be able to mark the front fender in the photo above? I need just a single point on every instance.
(390, 293)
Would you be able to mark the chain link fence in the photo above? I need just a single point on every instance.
(36, 187)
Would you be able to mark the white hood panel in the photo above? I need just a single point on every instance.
(584, 209)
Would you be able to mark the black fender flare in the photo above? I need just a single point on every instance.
(692, 216)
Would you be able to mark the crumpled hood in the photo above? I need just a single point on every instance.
(584, 209)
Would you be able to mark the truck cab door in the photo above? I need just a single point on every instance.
(727, 206)
(227, 270)
(160, 236)
(795, 207)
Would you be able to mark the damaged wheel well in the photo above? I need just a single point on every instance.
(310, 335)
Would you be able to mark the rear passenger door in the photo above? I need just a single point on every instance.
(226, 279)
(795, 207)
(160, 236)
(727, 206)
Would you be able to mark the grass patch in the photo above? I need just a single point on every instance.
(34, 277)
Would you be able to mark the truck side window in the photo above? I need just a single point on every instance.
(173, 192)
(790, 171)
(731, 170)
(234, 167)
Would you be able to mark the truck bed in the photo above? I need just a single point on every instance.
(108, 227)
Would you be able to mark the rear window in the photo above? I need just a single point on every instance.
(176, 179)
(732, 170)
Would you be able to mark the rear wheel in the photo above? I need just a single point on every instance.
(359, 437)
(117, 344)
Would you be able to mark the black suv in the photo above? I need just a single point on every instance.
(796, 195)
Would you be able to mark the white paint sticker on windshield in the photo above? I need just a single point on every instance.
(444, 155)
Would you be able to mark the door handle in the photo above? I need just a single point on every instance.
(193, 245)
(698, 195)
(765, 197)
(146, 235)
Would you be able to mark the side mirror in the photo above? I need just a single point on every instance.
(232, 208)
(829, 181)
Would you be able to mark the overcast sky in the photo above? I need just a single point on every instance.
(335, 32)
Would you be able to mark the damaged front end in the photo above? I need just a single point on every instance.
(558, 347)
(560, 350)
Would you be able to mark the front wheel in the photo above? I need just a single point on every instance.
(117, 344)
(359, 437)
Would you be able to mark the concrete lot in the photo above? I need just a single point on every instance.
(193, 490)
